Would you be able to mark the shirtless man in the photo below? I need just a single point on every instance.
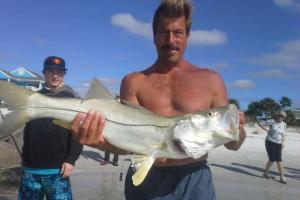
(170, 87)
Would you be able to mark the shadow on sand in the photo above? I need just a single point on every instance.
(92, 155)
(236, 167)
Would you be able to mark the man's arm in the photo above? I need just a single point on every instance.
(220, 99)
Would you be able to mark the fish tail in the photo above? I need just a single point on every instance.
(13, 95)
(17, 100)
(11, 123)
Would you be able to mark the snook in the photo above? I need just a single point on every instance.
(135, 129)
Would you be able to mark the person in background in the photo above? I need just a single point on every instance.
(49, 151)
(107, 158)
(170, 87)
(274, 143)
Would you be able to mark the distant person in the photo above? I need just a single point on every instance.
(275, 143)
(107, 158)
(170, 87)
(49, 151)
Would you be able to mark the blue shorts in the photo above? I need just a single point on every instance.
(188, 182)
(53, 186)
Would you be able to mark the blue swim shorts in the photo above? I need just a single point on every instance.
(53, 186)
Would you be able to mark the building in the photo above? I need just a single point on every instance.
(296, 112)
(24, 78)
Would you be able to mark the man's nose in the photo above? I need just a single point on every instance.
(171, 37)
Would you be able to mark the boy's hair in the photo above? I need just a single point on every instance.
(173, 9)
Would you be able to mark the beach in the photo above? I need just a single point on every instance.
(236, 174)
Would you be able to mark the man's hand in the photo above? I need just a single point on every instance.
(235, 145)
(66, 170)
(88, 129)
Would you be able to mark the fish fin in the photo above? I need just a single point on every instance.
(62, 123)
(11, 122)
(98, 91)
(143, 165)
(13, 95)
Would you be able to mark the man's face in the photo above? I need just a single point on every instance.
(54, 77)
(171, 39)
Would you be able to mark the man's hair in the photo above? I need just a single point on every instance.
(173, 9)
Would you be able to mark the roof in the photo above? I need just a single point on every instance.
(22, 74)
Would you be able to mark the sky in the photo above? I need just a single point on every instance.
(254, 45)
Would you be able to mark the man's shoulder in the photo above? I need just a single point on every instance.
(203, 72)
(134, 76)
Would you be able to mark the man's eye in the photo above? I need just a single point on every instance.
(179, 34)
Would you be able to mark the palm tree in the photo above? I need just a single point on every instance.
(269, 107)
(285, 103)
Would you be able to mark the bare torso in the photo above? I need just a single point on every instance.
(182, 89)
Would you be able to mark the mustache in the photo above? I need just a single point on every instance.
(169, 47)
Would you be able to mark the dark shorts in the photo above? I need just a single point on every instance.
(189, 182)
(274, 151)
(35, 187)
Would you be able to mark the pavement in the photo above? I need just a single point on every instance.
(236, 174)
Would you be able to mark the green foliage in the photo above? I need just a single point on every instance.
(254, 110)
(267, 107)
(285, 103)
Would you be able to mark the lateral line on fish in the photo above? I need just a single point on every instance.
(41, 107)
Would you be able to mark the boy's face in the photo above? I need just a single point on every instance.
(54, 77)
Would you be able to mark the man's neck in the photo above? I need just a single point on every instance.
(164, 67)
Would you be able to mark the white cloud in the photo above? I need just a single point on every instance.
(287, 56)
(288, 4)
(273, 73)
(213, 37)
(144, 29)
(242, 84)
(129, 23)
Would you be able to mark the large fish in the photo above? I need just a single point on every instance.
(132, 128)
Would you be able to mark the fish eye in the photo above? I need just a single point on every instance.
(210, 114)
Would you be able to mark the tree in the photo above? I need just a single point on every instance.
(254, 110)
(290, 117)
(269, 107)
(285, 103)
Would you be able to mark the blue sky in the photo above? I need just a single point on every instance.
(254, 45)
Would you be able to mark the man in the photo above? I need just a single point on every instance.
(107, 158)
(49, 151)
(170, 87)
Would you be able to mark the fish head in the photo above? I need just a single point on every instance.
(198, 133)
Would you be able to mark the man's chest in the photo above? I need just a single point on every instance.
(175, 97)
